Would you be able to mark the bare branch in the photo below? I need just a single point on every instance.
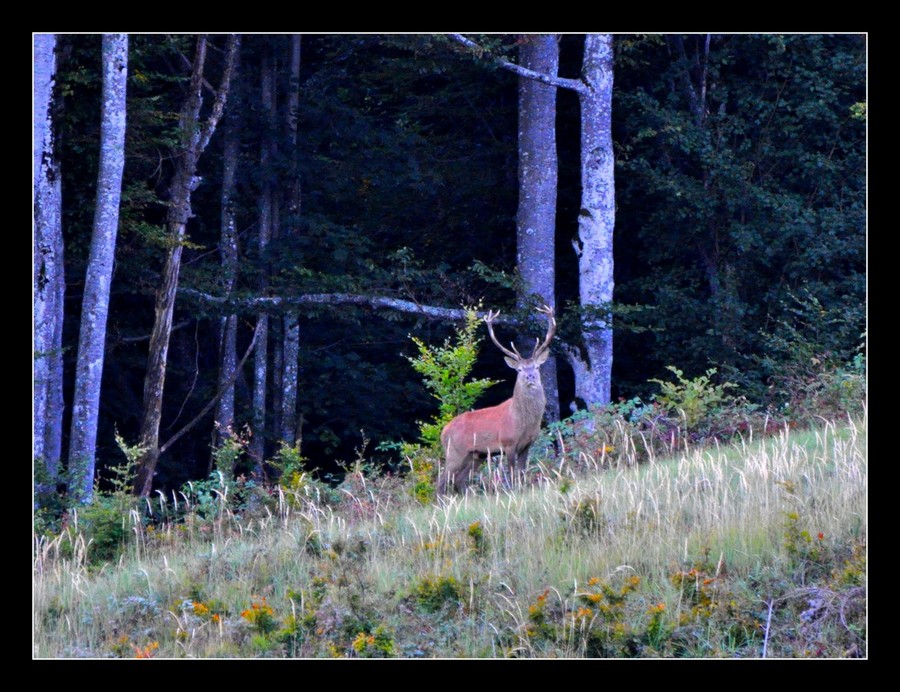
(146, 337)
(575, 84)
(219, 104)
(375, 302)
(215, 399)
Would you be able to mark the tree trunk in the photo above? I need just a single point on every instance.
(224, 414)
(538, 167)
(48, 282)
(194, 139)
(95, 304)
(257, 448)
(291, 348)
(596, 220)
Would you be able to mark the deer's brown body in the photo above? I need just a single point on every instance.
(509, 428)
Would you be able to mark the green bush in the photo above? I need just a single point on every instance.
(432, 593)
(445, 370)
(692, 399)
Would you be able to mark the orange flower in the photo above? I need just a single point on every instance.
(147, 651)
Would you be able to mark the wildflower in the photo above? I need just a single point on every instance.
(362, 642)
(582, 614)
(147, 651)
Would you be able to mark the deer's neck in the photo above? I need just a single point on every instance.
(529, 403)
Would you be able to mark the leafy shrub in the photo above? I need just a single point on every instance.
(432, 593)
(377, 644)
(105, 523)
(445, 370)
(479, 541)
(423, 462)
(692, 399)
(297, 484)
(814, 360)
(228, 454)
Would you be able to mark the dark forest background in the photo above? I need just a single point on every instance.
(740, 238)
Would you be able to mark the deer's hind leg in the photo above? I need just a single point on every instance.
(458, 470)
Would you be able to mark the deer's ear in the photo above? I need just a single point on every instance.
(542, 358)
(512, 362)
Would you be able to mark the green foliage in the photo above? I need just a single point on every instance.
(814, 360)
(584, 515)
(745, 183)
(595, 623)
(123, 475)
(49, 505)
(297, 483)
(480, 543)
(445, 370)
(433, 593)
(378, 644)
(207, 499)
(105, 525)
(260, 616)
(228, 454)
(709, 601)
(423, 462)
(692, 399)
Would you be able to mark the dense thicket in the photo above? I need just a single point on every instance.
(740, 217)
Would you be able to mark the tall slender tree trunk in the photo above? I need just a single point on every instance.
(48, 284)
(95, 304)
(596, 218)
(261, 355)
(596, 221)
(538, 175)
(224, 414)
(194, 138)
(291, 349)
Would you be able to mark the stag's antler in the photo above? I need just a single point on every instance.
(551, 330)
(489, 320)
(539, 347)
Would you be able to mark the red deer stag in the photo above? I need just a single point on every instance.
(510, 427)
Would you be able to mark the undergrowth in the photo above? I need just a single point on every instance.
(751, 550)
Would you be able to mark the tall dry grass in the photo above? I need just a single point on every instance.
(366, 561)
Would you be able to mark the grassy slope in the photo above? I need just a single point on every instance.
(730, 551)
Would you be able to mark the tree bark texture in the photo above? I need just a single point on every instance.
(194, 139)
(257, 448)
(596, 221)
(596, 218)
(538, 168)
(291, 348)
(224, 414)
(95, 304)
(48, 285)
